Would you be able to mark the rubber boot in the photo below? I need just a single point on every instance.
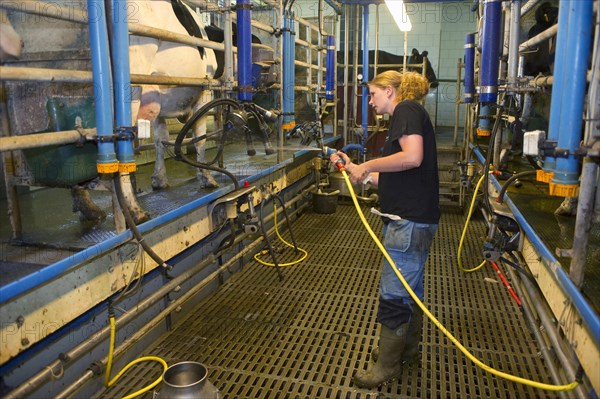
(389, 363)
(413, 337)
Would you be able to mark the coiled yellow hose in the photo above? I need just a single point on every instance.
(109, 382)
(304, 253)
(438, 324)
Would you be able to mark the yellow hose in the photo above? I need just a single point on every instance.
(438, 324)
(108, 382)
(464, 232)
(304, 253)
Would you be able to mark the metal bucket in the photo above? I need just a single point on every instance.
(337, 182)
(187, 380)
(325, 202)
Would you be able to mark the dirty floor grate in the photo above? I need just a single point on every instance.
(304, 337)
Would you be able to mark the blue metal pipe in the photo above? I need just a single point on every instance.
(564, 10)
(365, 71)
(573, 94)
(469, 68)
(244, 48)
(107, 161)
(288, 70)
(484, 120)
(121, 73)
(588, 315)
(490, 50)
(353, 147)
(330, 68)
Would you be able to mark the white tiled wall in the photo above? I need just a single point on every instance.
(438, 27)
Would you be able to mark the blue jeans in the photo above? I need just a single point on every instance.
(408, 244)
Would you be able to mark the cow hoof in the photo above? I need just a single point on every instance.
(140, 217)
(159, 183)
(91, 215)
(251, 152)
(208, 181)
(269, 151)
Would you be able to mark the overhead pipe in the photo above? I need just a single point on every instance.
(26, 141)
(469, 68)
(244, 47)
(490, 50)
(107, 161)
(564, 11)
(566, 174)
(365, 73)
(27, 74)
(288, 70)
(513, 45)
(330, 69)
(539, 38)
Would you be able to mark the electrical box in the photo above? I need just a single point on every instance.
(532, 140)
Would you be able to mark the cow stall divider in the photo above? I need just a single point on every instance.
(25, 287)
(499, 99)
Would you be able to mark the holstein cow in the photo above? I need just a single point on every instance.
(150, 56)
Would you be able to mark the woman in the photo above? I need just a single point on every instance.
(408, 182)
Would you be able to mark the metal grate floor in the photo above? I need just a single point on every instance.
(305, 337)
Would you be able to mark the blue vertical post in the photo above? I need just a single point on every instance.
(469, 68)
(490, 50)
(244, 47)
(566, 172)
(289, 78)
(564, 10)
(365, 72)
(121, 73)
(107, 161)
(330, 68)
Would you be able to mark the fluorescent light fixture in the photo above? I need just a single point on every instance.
(398, 11)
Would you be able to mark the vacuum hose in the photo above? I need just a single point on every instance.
(438, 324)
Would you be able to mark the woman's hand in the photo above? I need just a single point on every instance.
(334, 158)
(358, 173)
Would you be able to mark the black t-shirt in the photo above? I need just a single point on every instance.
(411, 194)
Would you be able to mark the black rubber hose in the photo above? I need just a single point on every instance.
(287, 221)
(189, 124)
(517, 266)
(266, 237)
(488, 159)
(132, 226)
(509, 181)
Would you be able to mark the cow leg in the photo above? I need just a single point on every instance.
(161, 135)
(83, 203)
(204, 176)
(127, 187)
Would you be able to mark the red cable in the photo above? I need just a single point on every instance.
(512, 292)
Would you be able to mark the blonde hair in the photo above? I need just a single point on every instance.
(408, 85)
